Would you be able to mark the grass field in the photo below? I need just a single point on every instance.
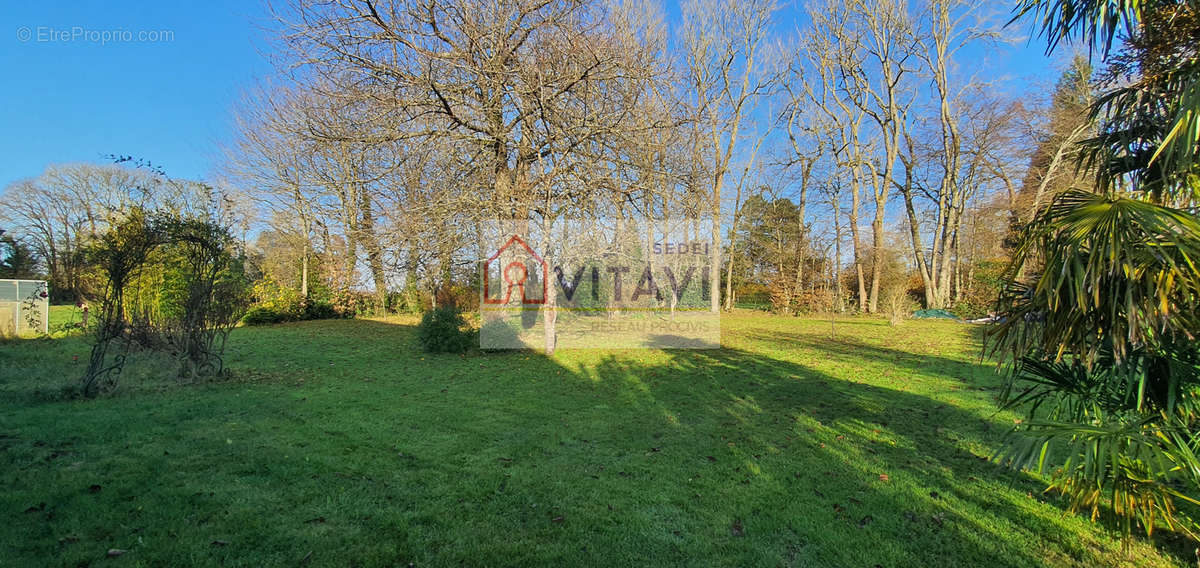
(341, 444)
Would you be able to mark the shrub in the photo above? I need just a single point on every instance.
(499, 334)
(262, 315)
(441, 331)
(276, 303)
(316, 310)
(348, 303)
(413, 300)
(286, 302)
(897, 303)
(464, 296)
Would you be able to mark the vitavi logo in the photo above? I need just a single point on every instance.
(515, 273)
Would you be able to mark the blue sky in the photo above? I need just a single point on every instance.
(74, 98)
(166, 101)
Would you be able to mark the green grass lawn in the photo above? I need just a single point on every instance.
(341, 444)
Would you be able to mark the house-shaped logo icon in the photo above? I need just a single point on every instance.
(519, 258)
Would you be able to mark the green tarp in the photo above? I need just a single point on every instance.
(943, 314)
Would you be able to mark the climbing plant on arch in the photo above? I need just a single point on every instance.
(173, 285)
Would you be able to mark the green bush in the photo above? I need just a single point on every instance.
(501, 333)
(266, 314)
(278, 299)
(413, 300)
(276, 303)
(317, 310)
(262, 315)
(441, 331)
(464, 296)
(971, 309)
(346, 303)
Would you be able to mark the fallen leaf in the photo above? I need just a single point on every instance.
(884, 477)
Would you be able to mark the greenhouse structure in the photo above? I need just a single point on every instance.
(24, 307)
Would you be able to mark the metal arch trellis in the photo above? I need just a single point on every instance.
(197, 339)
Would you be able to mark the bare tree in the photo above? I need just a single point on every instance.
(59, 212)
(833, 82)
(266, 160)
(889, 43)
(949, 25)
(723, 47)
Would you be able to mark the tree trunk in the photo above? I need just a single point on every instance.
(800, 233)
(876, 257)
(714, 258)
(304, 272)
(729, 276)
(857, 241)
(837, 257)
(550, 316)
(374, 252)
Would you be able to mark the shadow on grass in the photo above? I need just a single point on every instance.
(854, 349)
(863, 452)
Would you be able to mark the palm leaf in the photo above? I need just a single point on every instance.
(1096, 22)
(1133, 463)
(1114, 272)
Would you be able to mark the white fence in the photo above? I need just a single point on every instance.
(24, 307)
